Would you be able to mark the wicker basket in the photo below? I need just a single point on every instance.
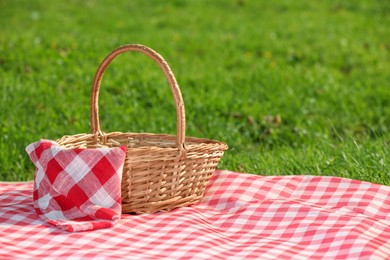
(161, 172)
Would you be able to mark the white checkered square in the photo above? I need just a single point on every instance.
(103, 198)
(77, 169)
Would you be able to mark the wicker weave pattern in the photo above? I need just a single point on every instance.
(161, 171)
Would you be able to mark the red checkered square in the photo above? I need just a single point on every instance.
(52, 169)
(103, 165)
(77, 189)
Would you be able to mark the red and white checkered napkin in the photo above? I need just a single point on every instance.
(77, 189)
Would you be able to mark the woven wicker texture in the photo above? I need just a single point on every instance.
(161, 171)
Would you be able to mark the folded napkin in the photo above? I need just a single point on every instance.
(77, 189)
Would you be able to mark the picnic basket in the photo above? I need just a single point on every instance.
(161, 171)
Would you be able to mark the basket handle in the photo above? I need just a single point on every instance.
(180, 112)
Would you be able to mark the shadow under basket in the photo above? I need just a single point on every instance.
(161, 172)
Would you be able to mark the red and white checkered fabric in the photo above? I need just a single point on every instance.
(77, 189)
(242, 216)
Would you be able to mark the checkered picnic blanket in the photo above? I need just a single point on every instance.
(241, 216)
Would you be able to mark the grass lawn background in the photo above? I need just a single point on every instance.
(293, 87)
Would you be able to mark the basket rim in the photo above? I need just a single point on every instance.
(189, 140)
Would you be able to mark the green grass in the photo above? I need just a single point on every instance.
(294, 87)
